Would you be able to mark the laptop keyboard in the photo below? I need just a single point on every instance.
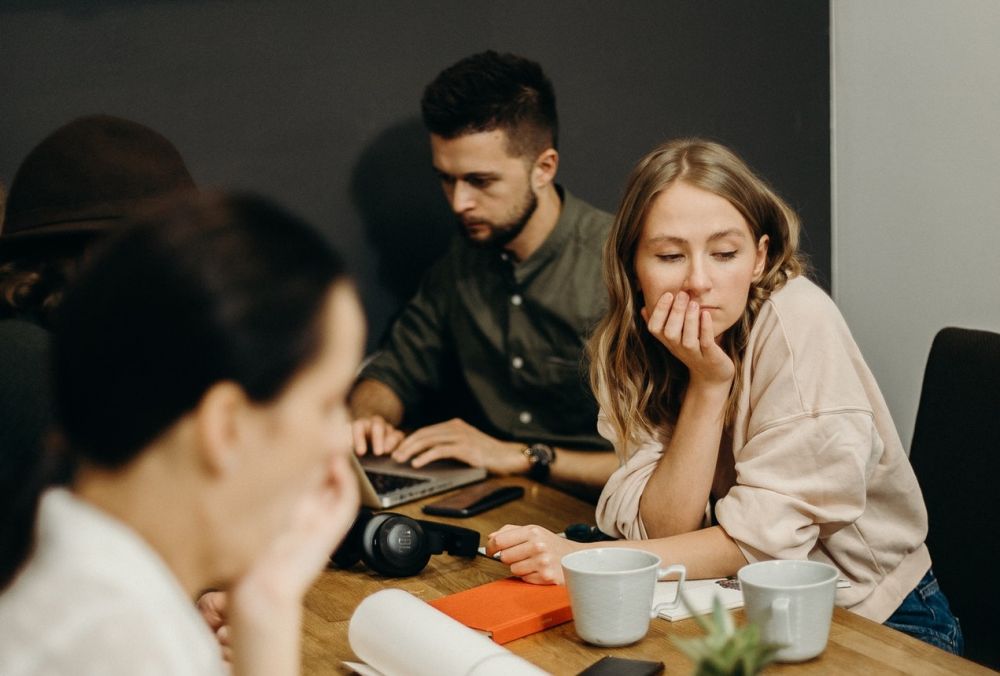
(386, 483)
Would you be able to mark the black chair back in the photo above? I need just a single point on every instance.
(956, 456)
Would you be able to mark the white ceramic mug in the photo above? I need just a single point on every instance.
(611, 592)
(792, 604)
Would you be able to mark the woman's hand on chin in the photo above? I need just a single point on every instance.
(283, 573)
(265, 605)
(687, 332)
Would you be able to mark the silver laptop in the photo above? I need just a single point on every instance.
(387, 483)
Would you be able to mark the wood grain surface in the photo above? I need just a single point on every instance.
(856, 645)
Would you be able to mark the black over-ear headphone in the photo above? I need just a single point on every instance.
(397, 546)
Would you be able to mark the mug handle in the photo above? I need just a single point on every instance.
(781, 621)
(676, 569)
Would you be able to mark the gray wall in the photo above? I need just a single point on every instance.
(316, 102)
(916, 169)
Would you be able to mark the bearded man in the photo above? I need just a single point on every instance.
(499, 325)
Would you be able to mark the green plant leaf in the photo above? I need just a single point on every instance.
(725, 650)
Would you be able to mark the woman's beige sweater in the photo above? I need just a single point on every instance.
(820, 470)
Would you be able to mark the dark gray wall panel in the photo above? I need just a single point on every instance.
(316, 103)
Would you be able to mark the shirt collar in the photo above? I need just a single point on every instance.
(555, 243)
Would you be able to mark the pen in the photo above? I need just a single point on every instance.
(482, 552)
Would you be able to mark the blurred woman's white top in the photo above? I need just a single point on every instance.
(94, 598)
(820, 470)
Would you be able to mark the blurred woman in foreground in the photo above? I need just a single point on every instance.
(201, 367)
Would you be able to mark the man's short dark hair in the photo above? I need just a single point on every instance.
(488, 91)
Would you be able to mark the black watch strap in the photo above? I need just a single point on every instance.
(541, 457)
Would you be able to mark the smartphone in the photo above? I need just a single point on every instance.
(474, 500)
(621, 666)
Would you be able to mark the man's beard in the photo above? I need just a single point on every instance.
(505, 233)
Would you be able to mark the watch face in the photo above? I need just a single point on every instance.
(540, 456)
(544, 453)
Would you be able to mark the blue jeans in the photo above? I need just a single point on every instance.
(925, 614)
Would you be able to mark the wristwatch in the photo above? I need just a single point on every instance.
(541, 457)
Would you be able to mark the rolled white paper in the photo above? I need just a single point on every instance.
(397, 633)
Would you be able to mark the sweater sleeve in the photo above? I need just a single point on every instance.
(798, 482)
(618, 506)
(805, 437)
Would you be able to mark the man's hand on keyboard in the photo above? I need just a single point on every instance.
(375, 431)
(458, 440)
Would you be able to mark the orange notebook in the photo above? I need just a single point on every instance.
(508, 609)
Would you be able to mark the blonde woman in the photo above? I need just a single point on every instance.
(745, 419)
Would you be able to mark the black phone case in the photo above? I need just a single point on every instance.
(454, 507)
(620, 666)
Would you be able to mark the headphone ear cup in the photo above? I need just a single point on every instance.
(394, 545)
(349, 551)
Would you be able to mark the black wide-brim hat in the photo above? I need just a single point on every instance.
(85, 177)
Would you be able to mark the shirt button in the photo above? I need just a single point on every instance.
(504, 256)
(524, 417)
(517, 362)
(516, 299)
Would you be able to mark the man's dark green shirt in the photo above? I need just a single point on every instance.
(502, 342)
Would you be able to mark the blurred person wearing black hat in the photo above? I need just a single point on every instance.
(74, 186)
(80, 181)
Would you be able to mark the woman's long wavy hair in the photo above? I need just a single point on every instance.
(638, 383)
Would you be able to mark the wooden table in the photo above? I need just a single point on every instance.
(856, 645)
